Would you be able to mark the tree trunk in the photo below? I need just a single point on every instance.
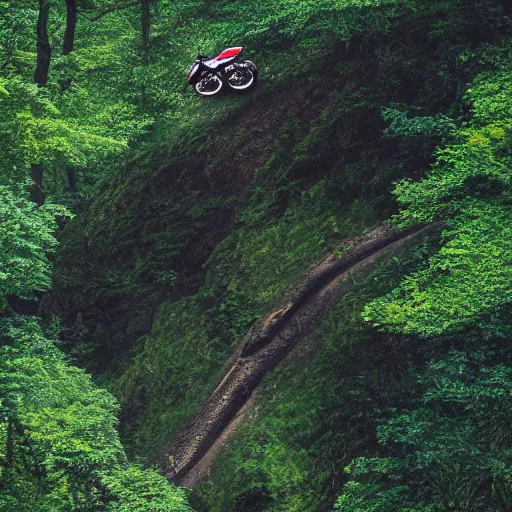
(36, 189)
(71, 178)
(69, 34)
(44, 50)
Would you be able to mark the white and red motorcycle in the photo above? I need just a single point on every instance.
(208, 76)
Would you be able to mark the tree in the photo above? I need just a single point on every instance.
(468, 189)
(69, 34)
(145, 26)
(108, 9)
(451, 449)
(59, 449)
(44, 50)
(26, 232)
(451, 452)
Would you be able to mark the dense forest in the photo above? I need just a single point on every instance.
(294, 299)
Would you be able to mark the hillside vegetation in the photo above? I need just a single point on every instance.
(144, 231)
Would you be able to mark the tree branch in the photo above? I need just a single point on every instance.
(92, 19)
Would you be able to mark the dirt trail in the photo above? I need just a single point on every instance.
(201, 471)
(188, 459)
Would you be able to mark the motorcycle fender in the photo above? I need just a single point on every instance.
(251, 65)
(241, 64)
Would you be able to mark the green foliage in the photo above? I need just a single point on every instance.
(471, 265)
(183, 357)
(280, 177)
(231, 200)
(272, 255)
(36, 128)
(26, 239)
(72, 122)
(133, 488)
(467, 188)
(453, 448)
(60, 448)
(169, 377)
(226, 203)
(400, 125)
(371, 498)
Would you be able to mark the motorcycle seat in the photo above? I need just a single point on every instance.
(223, 57)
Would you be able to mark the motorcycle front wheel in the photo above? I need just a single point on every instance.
(209, 85)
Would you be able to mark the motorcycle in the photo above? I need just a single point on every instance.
(208, 76)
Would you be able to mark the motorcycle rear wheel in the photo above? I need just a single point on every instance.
(243, 79)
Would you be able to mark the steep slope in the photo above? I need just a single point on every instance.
(269, 341)
(213, 223)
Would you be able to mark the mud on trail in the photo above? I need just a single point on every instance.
(270, 340)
